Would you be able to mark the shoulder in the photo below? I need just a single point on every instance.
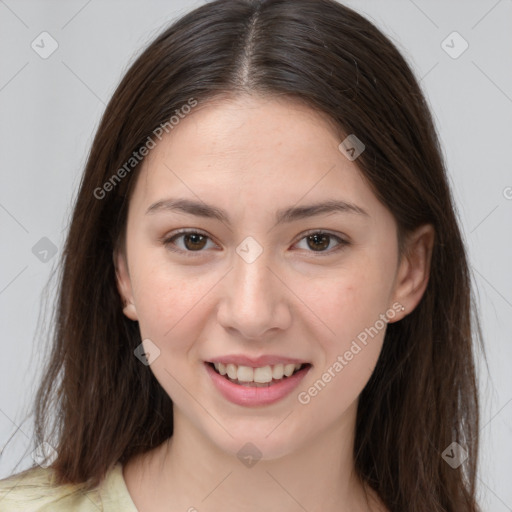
(34, 490)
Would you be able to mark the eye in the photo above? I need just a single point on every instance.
(320, 241)
(193, 241)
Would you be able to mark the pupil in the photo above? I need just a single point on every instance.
(198, 241)
(315, 238)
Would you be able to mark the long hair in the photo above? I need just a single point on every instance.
(106, 407)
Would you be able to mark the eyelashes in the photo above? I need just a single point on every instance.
(195, 242)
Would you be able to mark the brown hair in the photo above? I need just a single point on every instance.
(422, 396)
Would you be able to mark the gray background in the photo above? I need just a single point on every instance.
(50, 109)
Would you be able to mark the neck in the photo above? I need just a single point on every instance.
(193, 474)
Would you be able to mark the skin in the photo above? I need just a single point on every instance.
(252, 156)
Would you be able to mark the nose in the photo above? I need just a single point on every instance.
(255, 301)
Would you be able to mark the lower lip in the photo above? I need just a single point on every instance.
(254, 396)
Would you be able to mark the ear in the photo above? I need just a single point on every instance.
(414, 269)
(124, 284)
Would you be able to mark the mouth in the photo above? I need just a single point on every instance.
(260, 377)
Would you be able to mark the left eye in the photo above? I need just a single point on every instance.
(194, 241)
(319, 241)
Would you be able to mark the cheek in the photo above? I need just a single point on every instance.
(351, 308)
(171, 312)
(169, 304)
(353, 301)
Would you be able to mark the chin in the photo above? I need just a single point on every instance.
(262, 441)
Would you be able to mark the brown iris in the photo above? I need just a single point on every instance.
(323, 240)
(194, 241)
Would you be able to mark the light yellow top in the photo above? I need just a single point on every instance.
(32, 491)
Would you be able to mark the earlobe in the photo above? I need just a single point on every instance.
(130, 311)
(124, 285)
(414, 269)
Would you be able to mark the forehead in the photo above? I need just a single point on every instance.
(247, 130)
(253, 151)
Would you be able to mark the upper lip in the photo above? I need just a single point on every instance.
(255, 362)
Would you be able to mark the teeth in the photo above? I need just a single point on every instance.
(231, 371)
(278, 371)
(261, 375)
(289, 369)
(245, 374)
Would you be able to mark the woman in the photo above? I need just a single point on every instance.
(265, 300)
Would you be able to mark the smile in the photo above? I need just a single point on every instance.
(248, 386)
(260, 377)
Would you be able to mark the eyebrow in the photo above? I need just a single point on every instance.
(284, 215)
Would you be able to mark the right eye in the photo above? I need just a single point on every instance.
(192, 241)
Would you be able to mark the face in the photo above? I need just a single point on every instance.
(260, 273)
